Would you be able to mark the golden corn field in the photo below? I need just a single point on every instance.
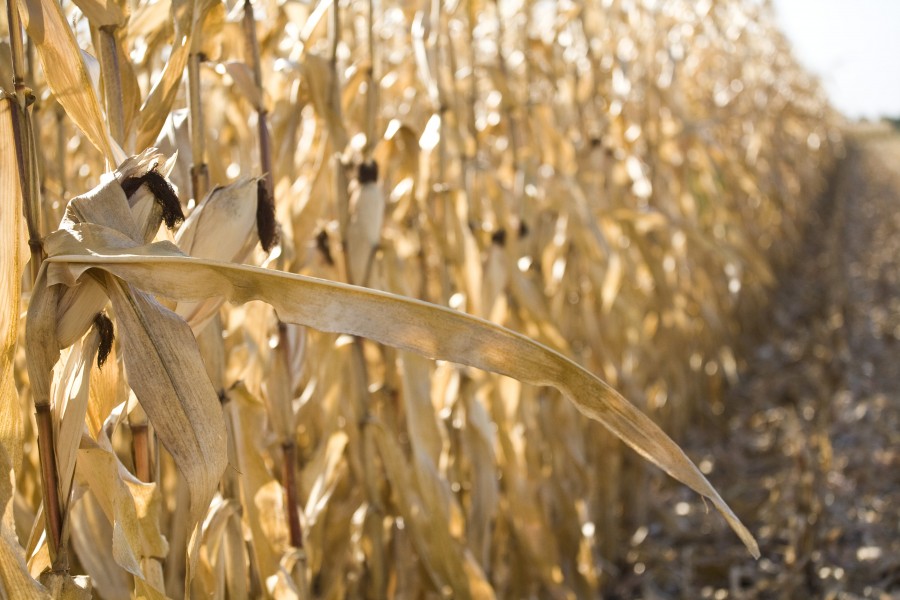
(317, 299)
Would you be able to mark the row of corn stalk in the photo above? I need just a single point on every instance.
(615, 181)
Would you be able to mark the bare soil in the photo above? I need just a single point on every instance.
(809, 457)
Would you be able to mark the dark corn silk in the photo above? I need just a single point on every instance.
(368, 172)
(162, 191)
(107, 335)
(265, 216)
(324, 248)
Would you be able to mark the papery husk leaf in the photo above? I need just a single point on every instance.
(107, 390)
(65, 70)
(405, 323)
(222, 227)
(364, 230)
(106, 204)
(70, 400)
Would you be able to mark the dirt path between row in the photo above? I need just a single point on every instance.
(810, 456)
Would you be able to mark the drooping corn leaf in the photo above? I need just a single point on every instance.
(65, 70)
(405, 323)
(164, 369)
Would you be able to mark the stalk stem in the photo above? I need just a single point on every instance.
(140, 435)
(265, 144)
(31, 205)
(289, 481)
(266, 203)
(199, 170)
(289, 462)
(24, 141)
(371, 91)
(112, 82)
(336, 129)
(50, 489)
(50, 219)
(17, 50)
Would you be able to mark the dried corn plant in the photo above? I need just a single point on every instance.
(530, 194)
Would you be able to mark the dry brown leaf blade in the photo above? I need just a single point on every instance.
(101, 13)
(13, 573)
(70, 401)
(92, 535)
(15, 581)
(189, 16)
(441, 557)
(65, 70)
(98, 470)
(156, 107)
(164, 368)
(405, 323)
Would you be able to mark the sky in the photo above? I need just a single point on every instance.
(854, 48)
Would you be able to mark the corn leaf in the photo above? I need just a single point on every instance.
(70, 401)
(125, 502)
(164, 369)
(65, 70)
(404, 323)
